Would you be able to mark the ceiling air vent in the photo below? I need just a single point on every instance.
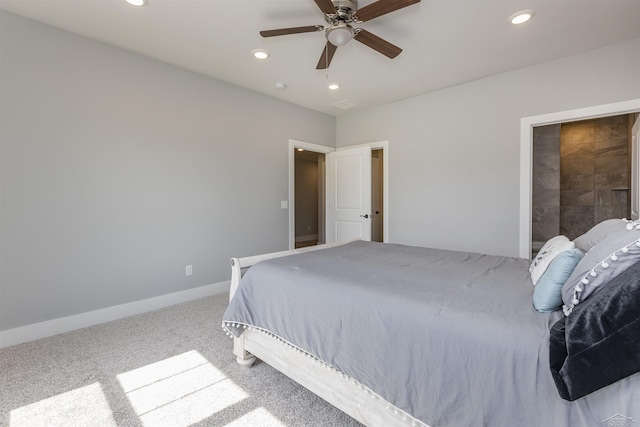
(345, 104)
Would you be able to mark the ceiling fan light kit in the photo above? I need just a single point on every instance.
(340, 16)
(340, 34)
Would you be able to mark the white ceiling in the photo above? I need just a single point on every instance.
(444, 42)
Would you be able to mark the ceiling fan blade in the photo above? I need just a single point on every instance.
(326, 6)
(326, 57)
(376, 43)
(382, 7)
(292, 30)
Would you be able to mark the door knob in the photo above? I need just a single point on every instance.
(365, 216)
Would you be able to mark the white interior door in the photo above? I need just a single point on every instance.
(635, 164)
(349, 194)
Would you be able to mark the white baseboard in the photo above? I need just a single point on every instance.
(36, 331)
(306, 238)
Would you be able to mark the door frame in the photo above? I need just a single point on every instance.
(635, 169)
(293, 145)
(526, 154)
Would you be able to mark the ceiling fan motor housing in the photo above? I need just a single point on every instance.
(344, 9)
(347, 4)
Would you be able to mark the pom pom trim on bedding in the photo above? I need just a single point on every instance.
(590, 279)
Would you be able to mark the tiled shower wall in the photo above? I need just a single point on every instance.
(594, 173)
(546, 184)
(580, 176)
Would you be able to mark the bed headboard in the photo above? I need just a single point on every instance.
(240, 265)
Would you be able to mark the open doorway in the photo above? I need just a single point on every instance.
(309, 196)
(581, 175)
(527, 125)
(302, 231)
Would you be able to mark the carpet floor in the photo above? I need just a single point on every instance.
(168, 367)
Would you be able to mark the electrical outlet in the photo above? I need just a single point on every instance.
(189, 270)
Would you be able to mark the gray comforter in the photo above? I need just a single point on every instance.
(450, 337)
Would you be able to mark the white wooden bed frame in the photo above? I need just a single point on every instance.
(340, 390)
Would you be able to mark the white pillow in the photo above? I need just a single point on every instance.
(549, 251)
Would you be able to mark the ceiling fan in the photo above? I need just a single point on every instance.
(341, 15)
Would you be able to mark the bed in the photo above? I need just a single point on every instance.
(397, 335)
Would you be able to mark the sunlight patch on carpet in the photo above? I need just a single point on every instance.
(86, 405)
(179, 391)
(258, 417)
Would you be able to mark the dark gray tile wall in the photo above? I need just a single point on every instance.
(593, 173)
(612, 167)
(577, 194)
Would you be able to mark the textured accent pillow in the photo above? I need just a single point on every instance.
(598, 232)
(547, 295)
(609, 258)
(549, 251)
(599, 343)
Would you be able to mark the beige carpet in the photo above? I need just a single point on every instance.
(169, 367)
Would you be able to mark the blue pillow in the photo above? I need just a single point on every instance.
(547, 295)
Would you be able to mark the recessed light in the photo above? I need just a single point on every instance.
(281, 86)
(260, 54)
(521, 16)
(333, 86)
(300, 149)
(138, 2)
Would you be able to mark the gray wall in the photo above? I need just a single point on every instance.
(118, 170)
(454, 153)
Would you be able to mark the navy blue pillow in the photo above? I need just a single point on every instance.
(599, 342)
